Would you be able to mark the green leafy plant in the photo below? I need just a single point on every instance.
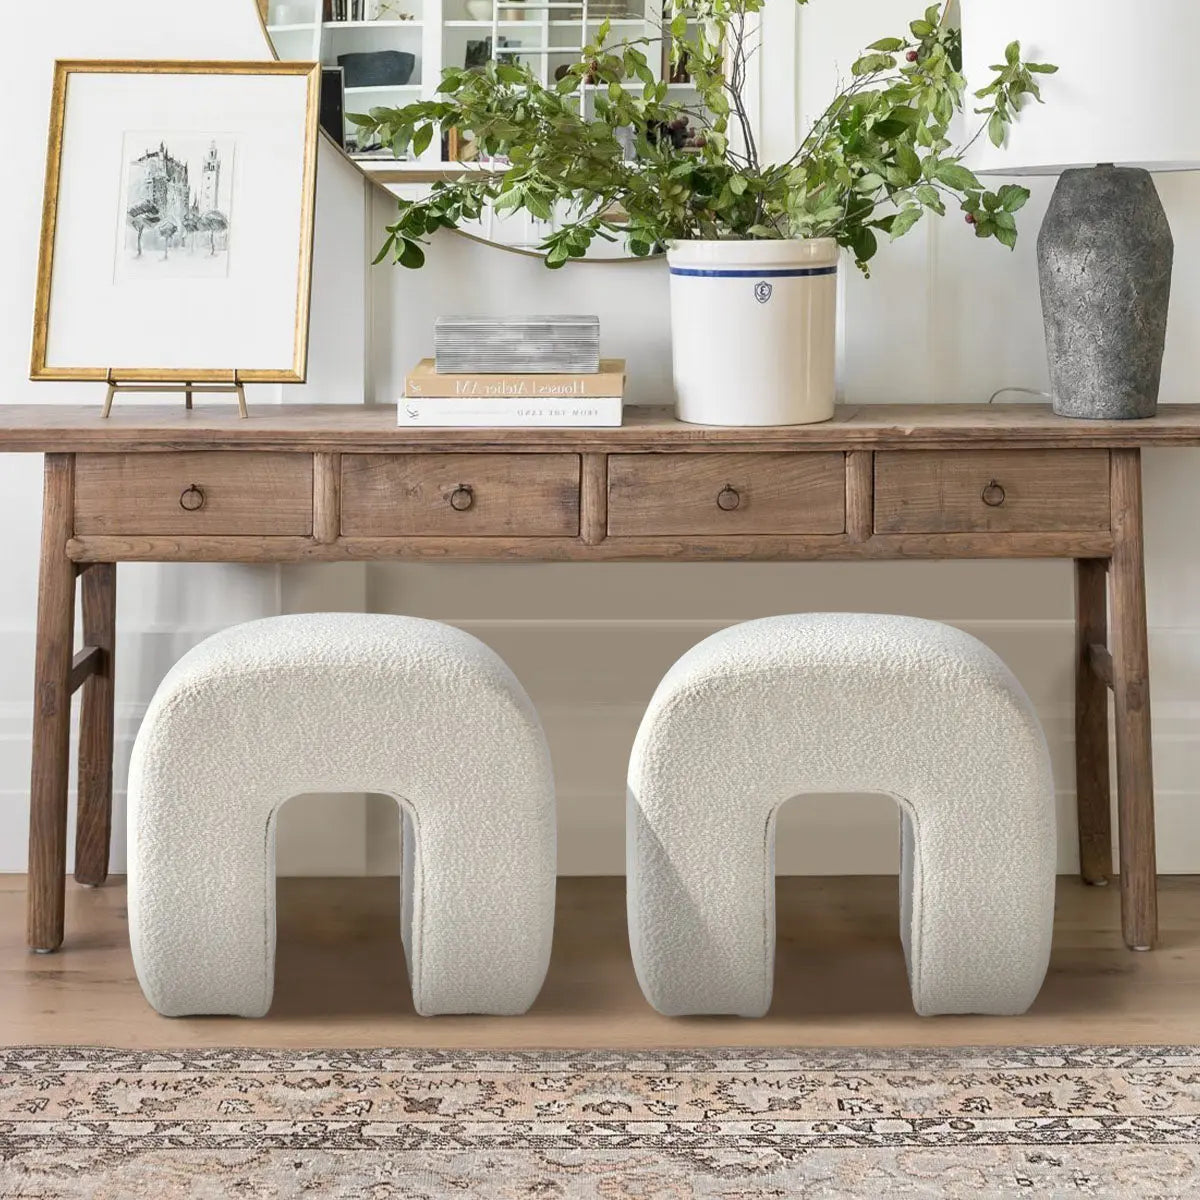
(645, 167)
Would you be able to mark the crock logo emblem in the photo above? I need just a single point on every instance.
(763, 291)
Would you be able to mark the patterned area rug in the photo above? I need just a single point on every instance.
(728, 1124)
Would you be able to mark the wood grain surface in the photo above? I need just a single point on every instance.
(74, 427)
(501, 495)
(1131, 705)
(860, 494)
(52, 709)
(1093, 789)
(723, 494)
(244, 494)
(1030, 491)
(839, 977)
(735, 548)
(93, 819)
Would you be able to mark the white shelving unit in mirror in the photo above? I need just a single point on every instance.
(393, 52)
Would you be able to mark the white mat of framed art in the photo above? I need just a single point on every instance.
(178, 222)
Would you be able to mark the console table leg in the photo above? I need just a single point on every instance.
(1131, 696)
(52, 710)
(1093, 796)
(93, 825)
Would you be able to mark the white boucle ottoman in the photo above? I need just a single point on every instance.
(823, 703)
(341, 702)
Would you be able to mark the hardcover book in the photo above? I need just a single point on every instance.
(502, 412)
(425, 380)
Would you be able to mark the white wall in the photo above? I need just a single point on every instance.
(163, 610)
(942, 318)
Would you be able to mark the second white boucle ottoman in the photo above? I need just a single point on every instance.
(341, 702)
(827, 703)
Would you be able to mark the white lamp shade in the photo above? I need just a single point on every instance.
(1127, 90)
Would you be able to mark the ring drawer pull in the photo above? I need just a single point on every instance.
(728, 498)
(993, 495)
(192, 498)
(462, 498)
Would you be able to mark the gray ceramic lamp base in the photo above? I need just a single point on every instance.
(1104, 258)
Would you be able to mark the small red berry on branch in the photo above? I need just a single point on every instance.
(912, 56)
(971, 219)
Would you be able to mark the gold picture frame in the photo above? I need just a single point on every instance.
(119, 373)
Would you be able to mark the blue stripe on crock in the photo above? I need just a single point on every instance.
(770, 273)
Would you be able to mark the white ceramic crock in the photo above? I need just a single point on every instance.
(753, 331)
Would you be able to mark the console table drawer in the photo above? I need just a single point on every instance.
(681, 494)
(194, 492)
(460, 495)
(980, 491)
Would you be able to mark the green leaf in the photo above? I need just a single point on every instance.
(361, 119)
(1041, 68)
(508, 200)
(906, 218)
(921, 29)
(870, 182)
(421, 140)
(864, 244)
(889, 45)
(955, 175)
(1012, 53)
(1013, 197)
(385, 250)
(538, 206)
(412, 255)
(1007, 237)
(929, 197)
(869, 64)
(997, 129)
(908, 162)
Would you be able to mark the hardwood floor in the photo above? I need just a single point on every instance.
(840, 978)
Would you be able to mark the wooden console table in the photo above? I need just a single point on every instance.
(325, 483)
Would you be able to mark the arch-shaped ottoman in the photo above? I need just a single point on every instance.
(341, 702)
(825, 703)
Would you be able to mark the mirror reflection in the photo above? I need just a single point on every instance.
(388, 53)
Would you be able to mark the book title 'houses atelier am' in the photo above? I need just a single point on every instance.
(425, 381)
(520, 389)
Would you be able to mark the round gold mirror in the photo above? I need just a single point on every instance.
(391, 52)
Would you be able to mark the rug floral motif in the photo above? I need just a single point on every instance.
(722, 1125)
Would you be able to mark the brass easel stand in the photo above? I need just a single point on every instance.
(188, 390)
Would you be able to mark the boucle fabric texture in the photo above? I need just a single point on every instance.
(341, 702)
(827, 703)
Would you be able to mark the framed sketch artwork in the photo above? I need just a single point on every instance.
(178, 222)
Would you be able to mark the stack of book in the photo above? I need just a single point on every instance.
(515, 372)
(515, 400)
